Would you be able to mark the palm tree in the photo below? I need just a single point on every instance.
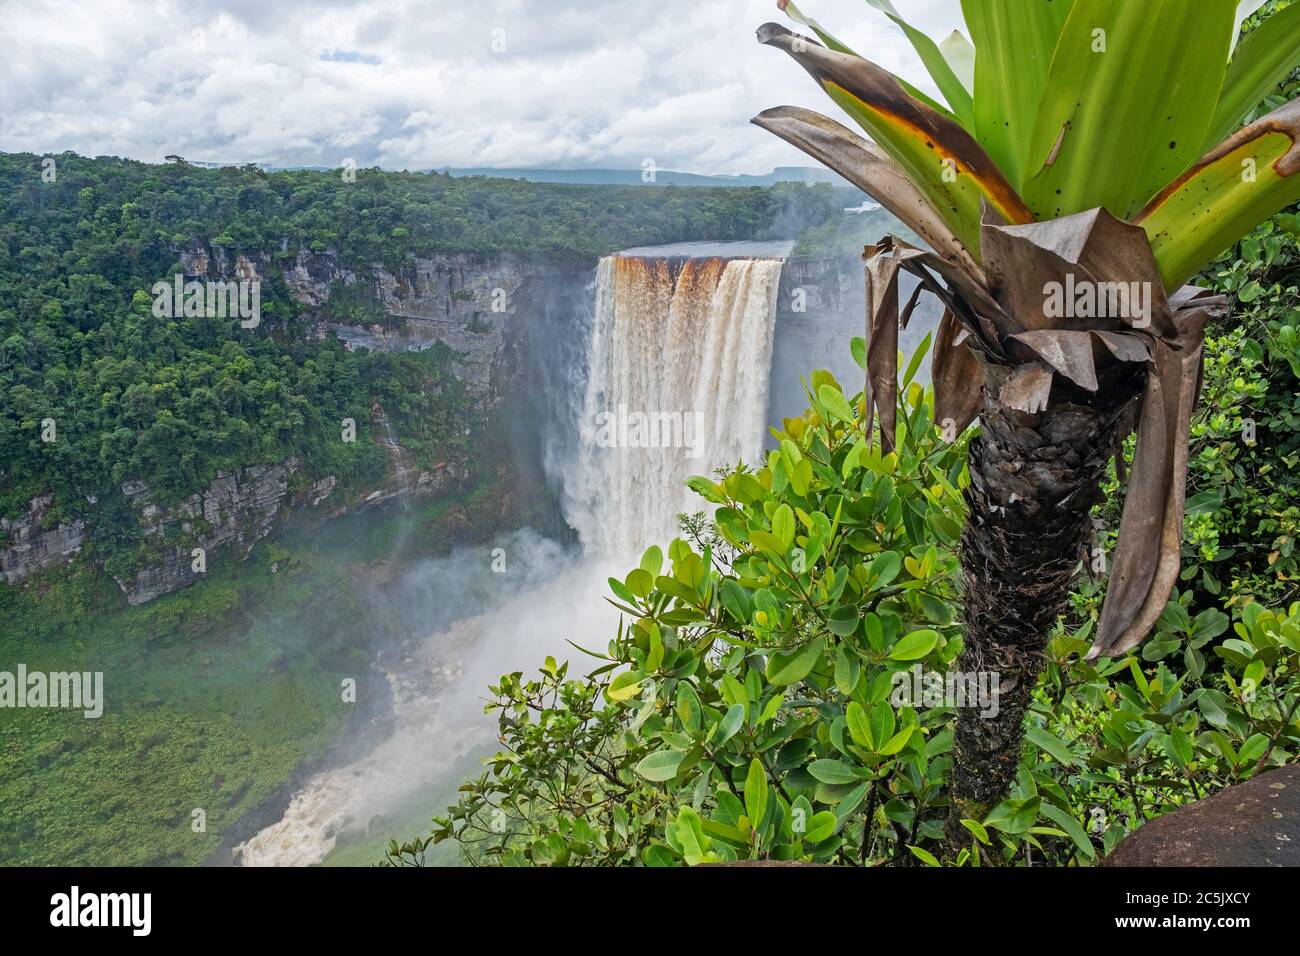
(1087, 164)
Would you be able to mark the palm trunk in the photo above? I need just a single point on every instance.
(1034, 479)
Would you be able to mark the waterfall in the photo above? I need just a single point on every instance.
(677, 384)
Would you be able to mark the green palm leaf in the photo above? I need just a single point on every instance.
(1129, 99)
(1238, 185)
(1014, 41)
(940, 157)
(936, 64)
(1262, 61)
(798, 16)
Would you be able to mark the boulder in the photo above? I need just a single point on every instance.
(1256, 823)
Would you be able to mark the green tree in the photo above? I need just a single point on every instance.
(1085, 143)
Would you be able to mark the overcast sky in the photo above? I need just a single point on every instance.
(413, 85)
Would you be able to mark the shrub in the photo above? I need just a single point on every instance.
(755, 703)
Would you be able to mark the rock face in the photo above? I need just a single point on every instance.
(240, 508)
(236, 511)
(479, 306)
(1256, 823)
(27, 547)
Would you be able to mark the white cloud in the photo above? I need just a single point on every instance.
(407, 84)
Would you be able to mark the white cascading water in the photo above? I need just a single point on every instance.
(684, 337)
(686, 344)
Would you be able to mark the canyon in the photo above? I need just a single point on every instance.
(515, 326)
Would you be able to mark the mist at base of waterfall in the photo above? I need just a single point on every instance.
(500, 621)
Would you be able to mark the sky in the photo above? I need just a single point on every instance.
(401, 84)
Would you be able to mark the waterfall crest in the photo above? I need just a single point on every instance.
(679, 365)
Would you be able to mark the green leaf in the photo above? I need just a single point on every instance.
(728, 725)
(977, 829)
(1254, 748)
(1265, 57)
(855, 716)
(1206, 502)
(1229, 192)
(652, 561)
(770, 709)
(727, 832)
(783, 526)
(836, 403)
(661, 765)
(789, 667)
(897, 742)
(1145, 75)
(1072, 828)
(1013, 816)
(1179, 748)
(848, 804)
(914, 646)
(833, 771)
(936, 64)
(624, 686)
(734, 691)
(1014, 43)
(883, 569)
(640, 582)
(960, 54)
(801, 476)
(755, 793)
(656, 656)
(736, 599)
(848, 670)
(658, 855)
(768, 543)
(1058, 748)
(938, 155)
(832, 43)
(621, 592)
(689, 711)
(914, 364)
(843, 620)
(820, 826)
(925, 856)
(882, 723)
(709, 490)
(694, 842)
(858, 347)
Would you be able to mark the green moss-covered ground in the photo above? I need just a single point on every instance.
(213, 697)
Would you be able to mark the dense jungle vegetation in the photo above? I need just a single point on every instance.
(171, 402)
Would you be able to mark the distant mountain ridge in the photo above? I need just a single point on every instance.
(598, 177)
(662, 177)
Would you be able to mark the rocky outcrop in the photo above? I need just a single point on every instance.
(28, 546)
(240, 508)
(235, 511)
(227, 518)
(479, 306)
(496, 313)
(1256, 823)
